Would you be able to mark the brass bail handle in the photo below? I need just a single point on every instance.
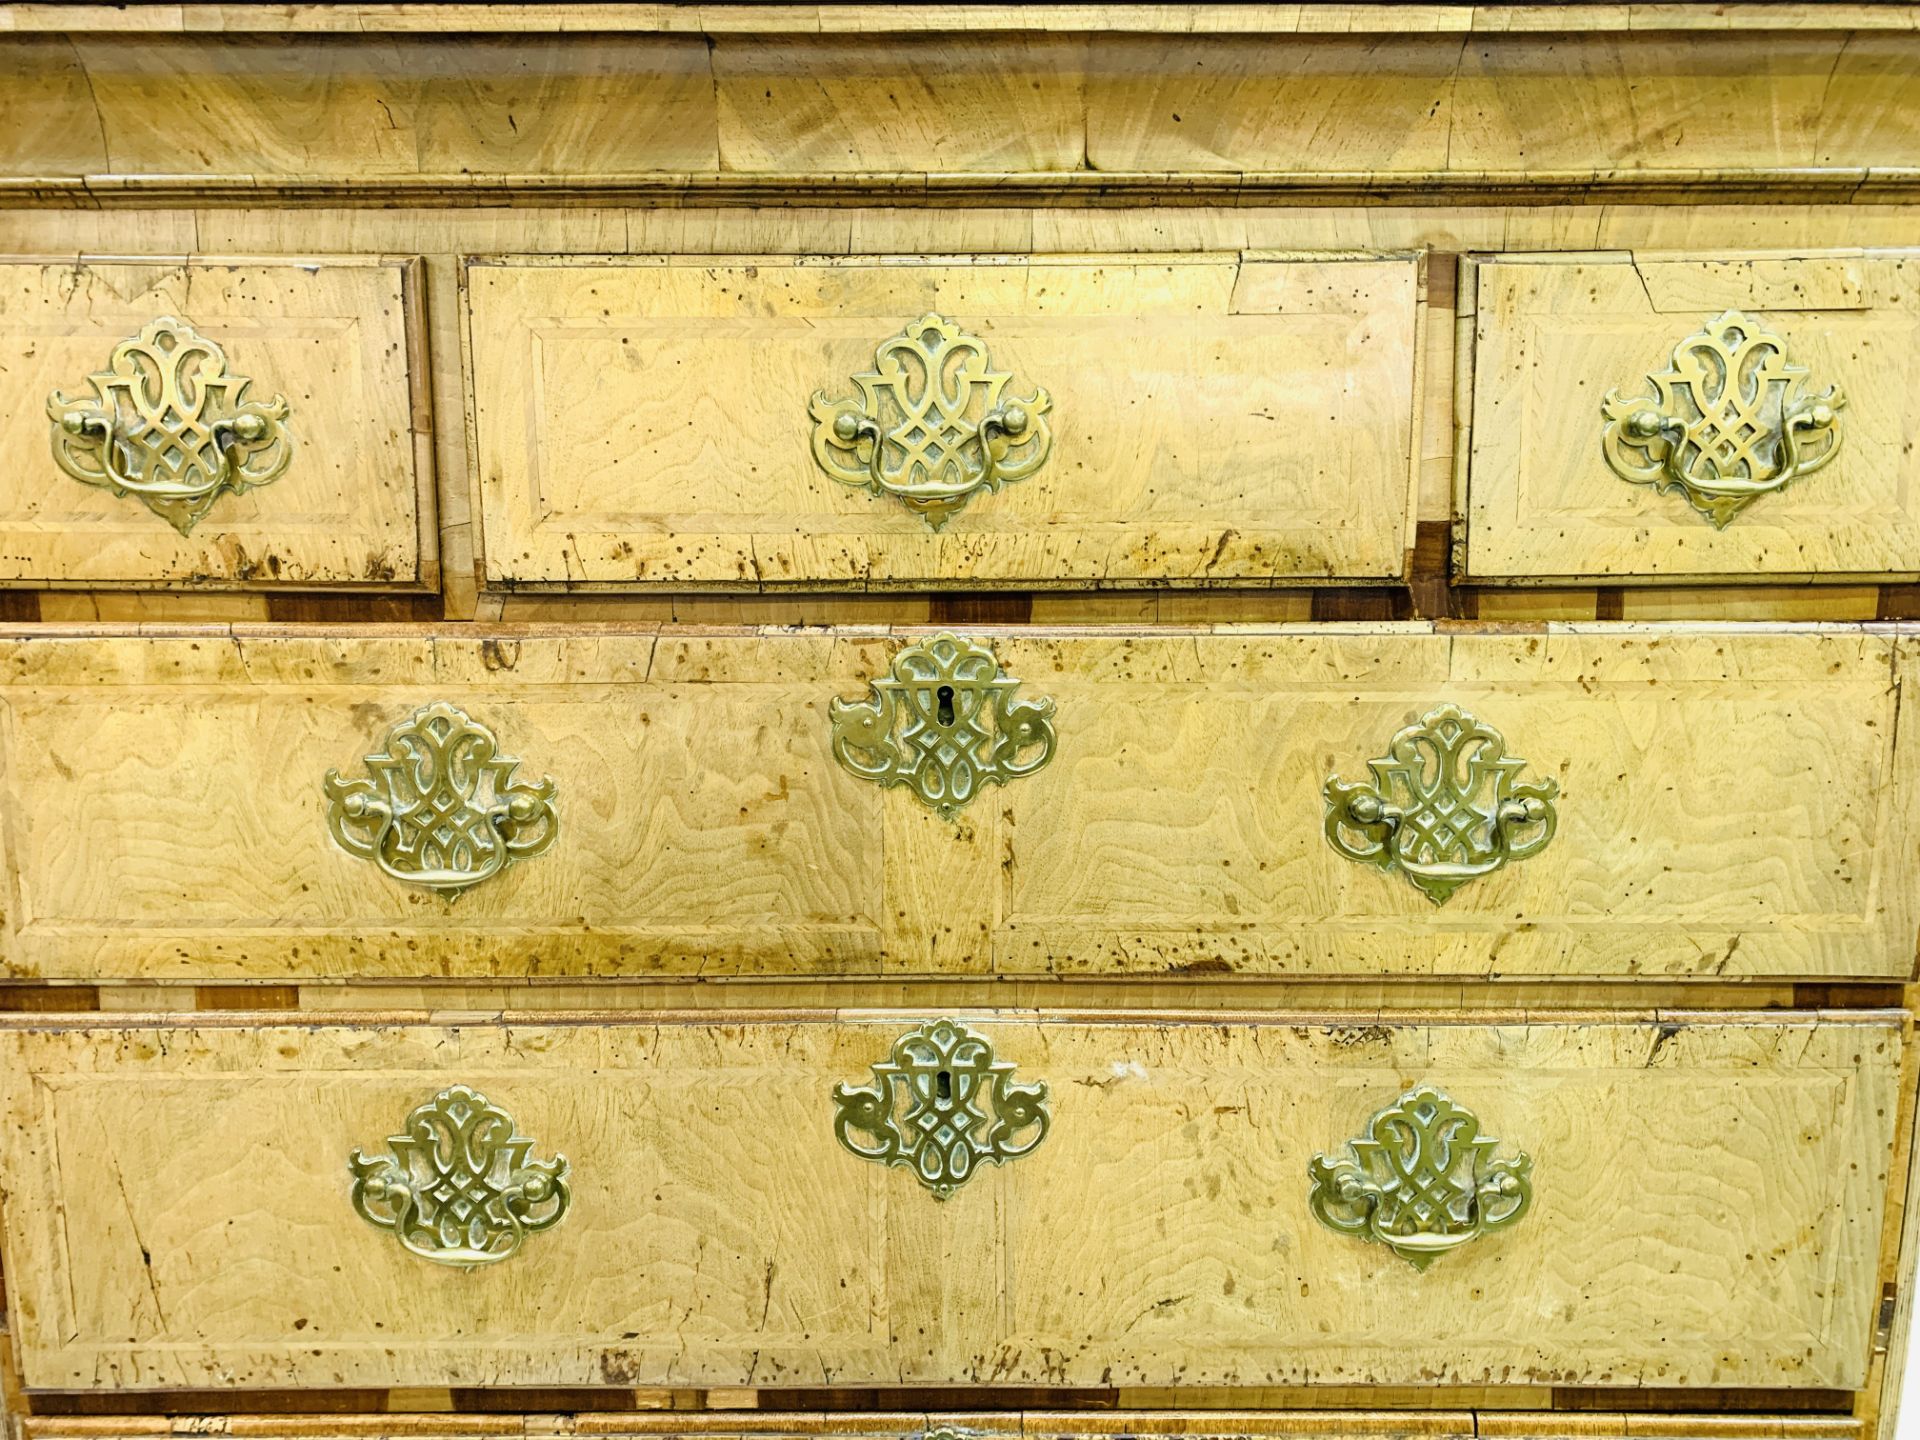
(1008, 422)
(440, 806)
(1445, 805)
(1729, 420)
(932, 424)
(170, 423)
(228, 434)
(1422, 1180)
(459, 1184)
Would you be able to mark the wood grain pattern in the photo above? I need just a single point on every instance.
(1735, 804)
(176, 1207)
(996, 103)
(344, 106)
(1217, 420)
(338, 338)
(1879, 1406)
(1095, 107)
(445, 235)
(1739, 809)
(1506, 103)
(1554, 335)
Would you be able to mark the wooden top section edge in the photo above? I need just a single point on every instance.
(1304, 19)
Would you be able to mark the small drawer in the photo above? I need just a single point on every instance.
(1029, 421)
(1619, 801)
(259, 425)
(1149, 1199)
(1693, 418)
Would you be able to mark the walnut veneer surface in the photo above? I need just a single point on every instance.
(1311, 319)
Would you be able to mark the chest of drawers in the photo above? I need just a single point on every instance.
(952, 725)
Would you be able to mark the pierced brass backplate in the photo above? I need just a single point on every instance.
(441, 807)
(959, 727)
(1446, 804)
(1422, 1181)
(459, 1187)
(941, 1106)
(931, 426)
(1727, 421)
(169, 424)
(957, 1107)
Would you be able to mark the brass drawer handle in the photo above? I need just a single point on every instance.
(171, 425)
(960, 727)
(1422, 1181)
(931, 426)
(960, 1108)
(1727, 421)
(1445, 805)
(459, 1186)
(442, 808)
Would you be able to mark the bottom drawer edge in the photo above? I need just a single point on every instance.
(960, 1425)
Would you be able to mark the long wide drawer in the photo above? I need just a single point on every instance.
(173, 423)
(1018, 420)
(860, 1198)
(1694, 418)
(1617, 801)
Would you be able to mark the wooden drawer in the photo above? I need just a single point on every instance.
(1731, 802)
(1187, 419)
(269, 420)
(181, 1205)
(1607, 445)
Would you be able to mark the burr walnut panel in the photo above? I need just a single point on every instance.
(1728, 803)
(1237, 419)
(340, 341)
(178, 1211)
(1555, 336)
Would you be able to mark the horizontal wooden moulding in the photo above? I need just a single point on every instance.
(89, 110)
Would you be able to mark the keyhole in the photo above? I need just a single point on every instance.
(943, 1084)
(945, 716)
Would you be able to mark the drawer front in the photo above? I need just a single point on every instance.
(1609, 444)
(1191, 419)
(185, 1205)
(1720, 803)
(199, 424)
